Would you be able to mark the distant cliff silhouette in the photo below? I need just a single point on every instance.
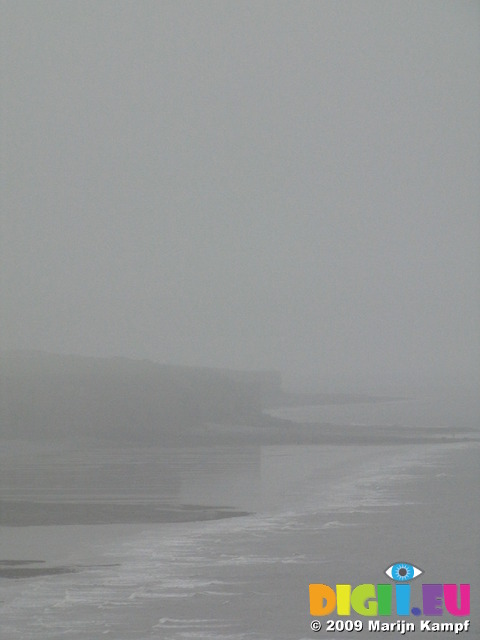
(56, 397)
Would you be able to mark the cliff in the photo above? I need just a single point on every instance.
(44, 396)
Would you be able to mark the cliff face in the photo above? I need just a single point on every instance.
(46, 396)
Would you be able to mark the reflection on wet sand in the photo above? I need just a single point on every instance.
(22, 513)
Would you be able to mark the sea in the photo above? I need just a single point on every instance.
(291, 515)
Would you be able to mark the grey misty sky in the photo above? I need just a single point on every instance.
(289, 185)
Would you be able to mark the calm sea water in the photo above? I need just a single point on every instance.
(317, 514)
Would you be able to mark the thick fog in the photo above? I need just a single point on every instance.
(281, 185)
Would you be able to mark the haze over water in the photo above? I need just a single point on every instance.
(249, 185)
(309, 509)
(193, 191)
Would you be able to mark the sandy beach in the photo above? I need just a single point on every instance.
(239, 319)
(175, 565)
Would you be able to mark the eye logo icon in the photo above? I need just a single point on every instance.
(403, 572)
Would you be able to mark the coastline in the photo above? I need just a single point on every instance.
(326, 503)
(392, 503)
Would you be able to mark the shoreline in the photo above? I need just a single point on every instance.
(23, 513)
(394, 511)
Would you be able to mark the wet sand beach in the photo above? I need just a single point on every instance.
(306, 513)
